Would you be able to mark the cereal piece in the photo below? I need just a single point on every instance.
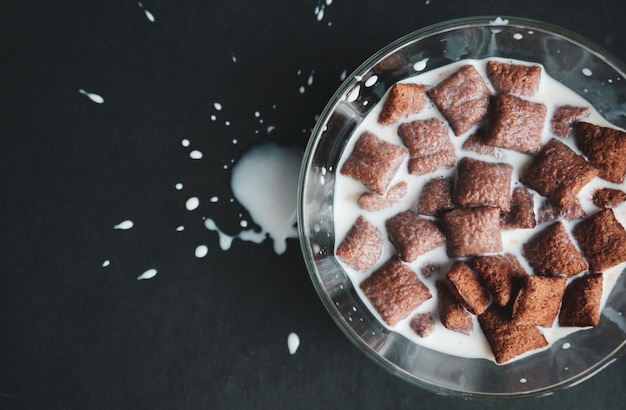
(430, 269)
(564, 118)
(581, 301)
(395, 291)
(605, 148)
(538, 300)
(506, 338)
(362, 247)
(472, 231)
(548, 212)
(515, 79)
(483, 183)
(551, 252)
(452, 315)
(412, 235)
(431, 163)
(436, 197)
(423, 324)
(463, 98)
(522, 213)
(501, 274)
(429, 144)
(608, 197)
(374, 202)
(403, 99)
(558, 173)
(374, 162)
(602, 240)
(467, 287)
(515, 124)
(475, 143)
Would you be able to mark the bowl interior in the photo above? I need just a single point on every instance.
(572, 60)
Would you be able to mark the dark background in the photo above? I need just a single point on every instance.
(205, 333)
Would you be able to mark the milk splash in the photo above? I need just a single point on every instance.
(265, 182)
(93, 97)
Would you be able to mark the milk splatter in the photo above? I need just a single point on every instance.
(518, 36)
(179, 186)
(180, 228)
(354, 93)
(343, 75)
(149, 15)
(149, 274)
(201, 251)
(106, 263)
(185, 142)
(587, 72)
(124, 225)
(293, 342)
(93, 97)
(265, 182)
(214, 199)
(371, 81)
(192, 203)
(217, 106)
(195, 154)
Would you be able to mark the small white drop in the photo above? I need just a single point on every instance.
(234, 141)
(227, 123)
(93, 97)
(179, 186)
(214, 199)
(257, 114)
(217, 106)
(518, 36)
(293, 342)
(566, 345)
(243, 223)
(201, 251)
(302, 89)
(523, 380)
(354, 93)
(420, 65)
(106, 263)
(124, 225)
(213, 118)
(149, 274)
(192, 203)
(371, 81)
(587, 72)
(185, 142)
(195, 154)
(180, 228)
(343, 75)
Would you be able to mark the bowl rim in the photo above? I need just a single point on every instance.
(314, 140)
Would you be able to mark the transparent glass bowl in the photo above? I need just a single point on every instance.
(571, 59)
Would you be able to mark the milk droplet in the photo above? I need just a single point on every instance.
(179, 186)
(185, 142)
(234, 141)
(201, 251)
(195, 154)
(149, 15)
(518, 36)
(192, 203)
(587, 72)
(93, 97)
(257, 114)
(233, 57)
(354, 93)
(371, 81)
(214, 199)
(310, 79)
(420, 65)
(217, 106)
(302, 89)
(106, 263)
(213, 118)
(124, 225)
(270, 128)
(566, 345)
(523, 380)
(180, 228)
(149, 274)
(243, 223)
(293, 342)
(343, 75)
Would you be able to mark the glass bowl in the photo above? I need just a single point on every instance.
(572, 60)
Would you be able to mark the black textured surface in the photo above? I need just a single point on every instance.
(211, 332)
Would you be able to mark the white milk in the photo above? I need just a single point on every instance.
(552, 94)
